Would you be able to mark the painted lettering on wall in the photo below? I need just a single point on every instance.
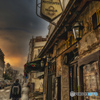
(67, 44)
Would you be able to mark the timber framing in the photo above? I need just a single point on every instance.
(72, 11)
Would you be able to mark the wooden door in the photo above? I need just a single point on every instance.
(59, 89)
(49, 89)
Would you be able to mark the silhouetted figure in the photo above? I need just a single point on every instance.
(15, 92)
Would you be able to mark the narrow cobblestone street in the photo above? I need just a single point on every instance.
(4, 93)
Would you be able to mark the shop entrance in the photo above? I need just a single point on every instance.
(59, 88)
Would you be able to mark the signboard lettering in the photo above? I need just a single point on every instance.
(50, 9)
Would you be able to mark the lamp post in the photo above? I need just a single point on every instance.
(78, 31)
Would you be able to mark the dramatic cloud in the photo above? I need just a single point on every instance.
(18, 23)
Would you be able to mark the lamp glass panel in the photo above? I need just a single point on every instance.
(42, 63)
(77, 32)
(81, 33)
(74, 33)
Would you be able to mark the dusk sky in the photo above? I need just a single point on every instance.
(18, 23)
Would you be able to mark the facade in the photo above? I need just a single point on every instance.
(2, 64)
(35, 46)
(72, 64)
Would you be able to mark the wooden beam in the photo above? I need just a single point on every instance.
(78, 10)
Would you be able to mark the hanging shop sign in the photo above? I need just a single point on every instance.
(50, 9)
(96, 19)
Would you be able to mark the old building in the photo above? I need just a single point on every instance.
(73, 52)
(2, 64)
(35, 46)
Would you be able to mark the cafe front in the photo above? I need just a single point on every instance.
(77, 53)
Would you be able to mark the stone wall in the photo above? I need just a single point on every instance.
(58, 66)
(45, 83)
(65, 83)
(91, 39)
(63, 71)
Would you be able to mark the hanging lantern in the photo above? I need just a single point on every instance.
(78, 31)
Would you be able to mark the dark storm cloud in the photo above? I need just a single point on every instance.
(20, 13)
(14, 28)
(18, 23)
(15, 43)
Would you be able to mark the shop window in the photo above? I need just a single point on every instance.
(91, 78)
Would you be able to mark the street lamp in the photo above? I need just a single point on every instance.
(77, 31)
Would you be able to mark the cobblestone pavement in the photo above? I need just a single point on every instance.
(4, 93)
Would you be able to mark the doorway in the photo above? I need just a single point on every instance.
(59, 88)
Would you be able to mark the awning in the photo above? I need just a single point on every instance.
(34, 66)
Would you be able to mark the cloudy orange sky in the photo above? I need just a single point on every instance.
(18, 23)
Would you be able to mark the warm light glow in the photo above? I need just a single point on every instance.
(16, 61)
